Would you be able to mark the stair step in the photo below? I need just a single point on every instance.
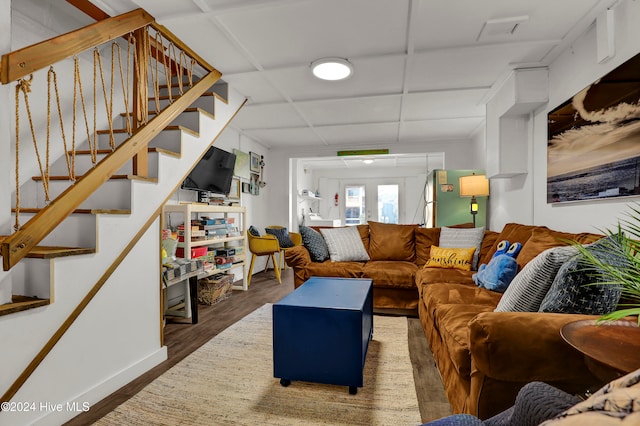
(190, 109)
(22, 303)
(204, 95)
(50, 252)
(77, 211)
(114, 177)
(108, 151)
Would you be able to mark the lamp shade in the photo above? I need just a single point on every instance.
(474, 185)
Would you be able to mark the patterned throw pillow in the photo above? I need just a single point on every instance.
(344, 244)
(576, 288)
(313, 241)
(451, 258)
(254, 231)
(282, 234)
(528, 289)
(461, 238)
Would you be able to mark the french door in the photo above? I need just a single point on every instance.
(374, 200)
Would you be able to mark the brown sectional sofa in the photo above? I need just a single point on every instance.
(484, 357)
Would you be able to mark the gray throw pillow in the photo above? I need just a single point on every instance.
(254, 231)
(282, 234)
(315, 244)
(576, 288)
(344, 244)
(463, 238)
(530, 286)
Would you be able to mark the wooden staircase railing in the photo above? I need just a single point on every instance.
(21, 63)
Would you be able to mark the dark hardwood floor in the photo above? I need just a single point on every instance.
(182, 338)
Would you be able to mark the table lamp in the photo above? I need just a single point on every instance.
(474, 186)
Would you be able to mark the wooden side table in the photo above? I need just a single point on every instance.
(611, 349)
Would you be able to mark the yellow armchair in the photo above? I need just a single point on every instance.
(266, 245)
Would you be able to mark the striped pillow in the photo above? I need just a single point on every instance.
(528, 289)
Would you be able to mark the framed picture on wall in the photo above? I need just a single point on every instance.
(255, 162)
(241, 168)
(593, 146)
(255, 187)
(246, 187)
(234, 192)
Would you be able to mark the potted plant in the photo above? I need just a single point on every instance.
(623, 244)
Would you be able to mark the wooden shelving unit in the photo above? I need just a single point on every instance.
(190, 211)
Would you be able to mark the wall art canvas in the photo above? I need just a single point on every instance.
(241, 168)
(593, 147)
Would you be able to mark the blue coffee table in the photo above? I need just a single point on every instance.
(322, 330)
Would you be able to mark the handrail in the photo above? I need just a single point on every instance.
(20, 63)
(17, 246)
(32, 58)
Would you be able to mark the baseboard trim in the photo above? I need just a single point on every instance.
(102, 390)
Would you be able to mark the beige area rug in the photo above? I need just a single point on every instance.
(229, 381)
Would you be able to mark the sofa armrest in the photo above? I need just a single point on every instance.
(524, 346)
(297, 257)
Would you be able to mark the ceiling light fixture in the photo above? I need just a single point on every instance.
(332, 69)
(369, 161)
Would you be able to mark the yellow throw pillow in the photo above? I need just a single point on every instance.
(451, 258)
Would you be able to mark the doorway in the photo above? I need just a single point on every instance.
(375, 200)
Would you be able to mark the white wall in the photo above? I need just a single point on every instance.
(458, 154)
(523, 198)
(5, 147)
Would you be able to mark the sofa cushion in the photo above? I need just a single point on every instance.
(543, 238)
(335, 269)
(446, 294)
(387, 273)
(425, 238)
(388, 241)
(453, 322)
(579, 289)
(450, 258)
(459, 238)
(512, 232)
(314, 242)
(429, 276)
(345, 244)
(528, 289)
(490, 238)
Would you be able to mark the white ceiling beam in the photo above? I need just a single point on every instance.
(365, 97)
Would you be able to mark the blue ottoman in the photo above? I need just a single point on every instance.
(322, 330)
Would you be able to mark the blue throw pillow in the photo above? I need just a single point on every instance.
(315, 243)
(254, 231)
(282, 234)
(576, 288)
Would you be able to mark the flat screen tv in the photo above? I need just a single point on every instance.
(213, 173)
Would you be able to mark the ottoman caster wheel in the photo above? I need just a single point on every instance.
(353, 390)
(285, 382)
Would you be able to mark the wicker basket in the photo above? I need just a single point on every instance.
(213, 290)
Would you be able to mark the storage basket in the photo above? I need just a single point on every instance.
(215, 289)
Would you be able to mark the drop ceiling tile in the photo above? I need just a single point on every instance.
(275, 138)
(459, 128)
(460, 22)
(364, 134)
(254, 86)
(467, 68)
(441, 104)
(269, 116)
(302, 31)
(355, 110)
(222, 54)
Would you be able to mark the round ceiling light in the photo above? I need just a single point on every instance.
(332, 69)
